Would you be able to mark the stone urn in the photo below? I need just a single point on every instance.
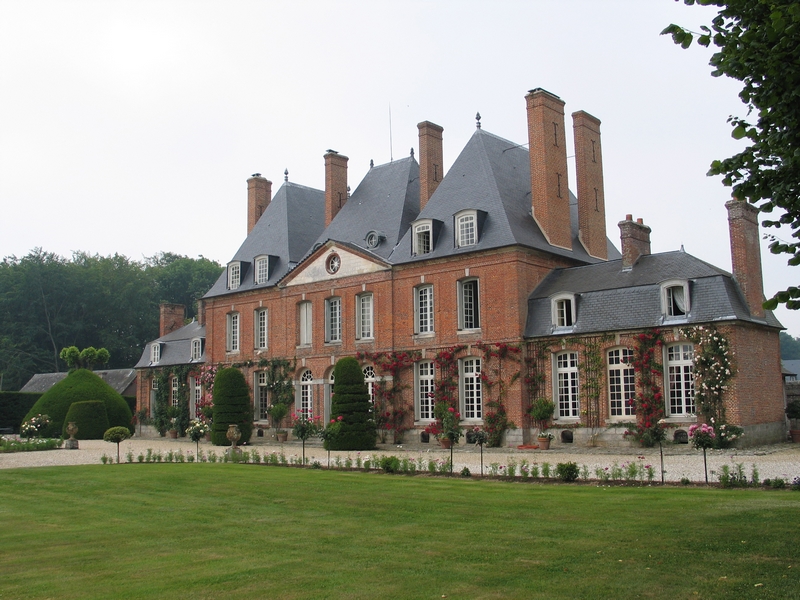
(233, 434)
(282, 436)
(71, 443)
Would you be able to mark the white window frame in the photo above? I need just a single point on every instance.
(466, 225)
(174, 396)
(562, 307)
(370, 379)
(154, 383)
(333, 320)
(621, 383)
(305, 394)
(196, 397)
(470, 388)
(261, 325)
(671, 292)
(424, 386)
(469, 306)
(232, 338)
(234, 275)
(155, 353)
(364, 316)
(679, 379)
(567, 385)
(261, 404)
(305, 323)
(261, 271)
(424, 310)
(423, 237)
(197, 349)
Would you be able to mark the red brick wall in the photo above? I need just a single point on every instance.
(335, 184)
(589, 174)
(259, 195)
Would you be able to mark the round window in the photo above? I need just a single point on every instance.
(334, 262)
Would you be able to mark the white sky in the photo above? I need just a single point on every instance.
(131, 127)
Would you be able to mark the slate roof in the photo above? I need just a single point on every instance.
(176, 347)
(119, 379)
(493, 175)
(386, 201)
(286, 230)
(609, 298)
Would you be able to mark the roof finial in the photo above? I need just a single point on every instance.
(286, 175)
(371, 163)
(478, 119)
(412, 152)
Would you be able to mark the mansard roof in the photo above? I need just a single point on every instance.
(286, 231)
(176, 347)
(385, 202)
(609, 298)
(491, 175)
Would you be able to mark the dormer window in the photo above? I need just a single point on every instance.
(234, 275)
(466, 229)
(423, 238)
(563, 311)
(675, 299)
(155, 353)
(262, 269)
(197, 348)
(374, 239)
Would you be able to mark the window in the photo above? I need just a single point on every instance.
(304, 320)
(364, 316)
(422, 238)
(563, 310)
(155, 353)
(262, 397)
(471, 391)
(675, 299)
(234, 275)
(370, 379)
(621, 383)
(424, 391)
(197, 395)
(567, 385)
(262, 269)
(233, 332)
(307, 394)
(333, 320)
(154, 384)
(423, 309)
(466, 230)
(175, 388)
(261, 328)
(468, 307)
(680, 379)
(197, 349)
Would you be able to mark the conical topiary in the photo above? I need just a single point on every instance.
(231, 405)
(90, 417)
(351, 401)
(80, 385)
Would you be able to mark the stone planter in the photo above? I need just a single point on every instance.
(173, 434)
(282, 436)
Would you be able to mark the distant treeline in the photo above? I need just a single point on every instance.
(48, 302)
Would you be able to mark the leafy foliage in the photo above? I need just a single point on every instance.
(231, 405)
(351, 402)
(757, 44)
(790, 347)
(91, 418)
(84, 359)
(649, 371)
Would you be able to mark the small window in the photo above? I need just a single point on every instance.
(262, 269)
(422, 238)
(563, 309)
(304, 323)
(261, 328)
(675, 299)
(423, 309)
(466, 229)
(233, 332)
(469, 313)
(197, 348)
(155, 353)
(333, 320)
(364, 317)
(234, 275)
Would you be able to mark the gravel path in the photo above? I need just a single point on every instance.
(780, 460)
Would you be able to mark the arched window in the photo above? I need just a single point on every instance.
(621, 383)
(306, 404)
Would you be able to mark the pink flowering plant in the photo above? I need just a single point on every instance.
(702, 436)
(33, 426)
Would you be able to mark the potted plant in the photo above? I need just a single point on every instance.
(278, 412)
(172, 415)
(541, 412)
(793, 412)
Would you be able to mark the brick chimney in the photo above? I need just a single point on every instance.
(201, 312)
(746, 253)
(431, 162)
(548, 152)
(170, 317)
(335, 184)
(635, 241)
(589, 173)
(259, 195)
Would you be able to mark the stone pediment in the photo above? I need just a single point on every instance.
(331, 262)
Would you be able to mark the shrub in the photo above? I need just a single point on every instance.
(117, 435)
(90, 417)
(351, 401)
(390, 464)
(78, 386)
(567, 471)
(231, 405)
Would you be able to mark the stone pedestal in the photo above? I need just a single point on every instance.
(71, 444)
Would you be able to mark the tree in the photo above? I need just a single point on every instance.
(182, 280)
(790, 347)
(351, 402)
(84, 359)
(758, 44)
(116, 435)
(231, 406)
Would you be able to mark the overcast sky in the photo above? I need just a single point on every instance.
(132, 127)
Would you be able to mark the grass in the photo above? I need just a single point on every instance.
(244, 531)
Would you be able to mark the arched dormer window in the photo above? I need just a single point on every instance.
(234, 275)
(197, 348)
(468, 227)
(155, 353)
(563, 311)
(422, 242)
(261, 272)
(675, 299)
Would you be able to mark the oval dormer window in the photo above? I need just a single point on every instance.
(333, 263)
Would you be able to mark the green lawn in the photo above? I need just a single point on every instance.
(197, 531)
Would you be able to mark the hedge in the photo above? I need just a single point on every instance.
(14, 406)
(231, 405)
(351, 401)
(91, 418)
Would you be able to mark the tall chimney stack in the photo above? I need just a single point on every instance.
(170, 317)
(746, 253)
(548, 153)
(635, 241)
(589, 173)
(431, 163)
(335, 184)
(259, 195)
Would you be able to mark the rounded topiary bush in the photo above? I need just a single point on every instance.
(80, 385)
(351, 401)
(231, 405)
(91, 418)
